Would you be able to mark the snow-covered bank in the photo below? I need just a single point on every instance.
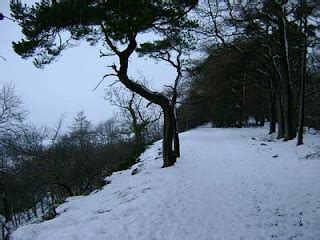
(228, 184)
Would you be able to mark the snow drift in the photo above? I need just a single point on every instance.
(228, 184)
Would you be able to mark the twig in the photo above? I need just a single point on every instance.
(103, 78)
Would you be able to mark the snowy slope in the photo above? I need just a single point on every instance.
(228, 184)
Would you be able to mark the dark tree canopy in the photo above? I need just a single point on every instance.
(50, 27)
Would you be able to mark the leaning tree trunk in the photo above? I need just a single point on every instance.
(52, 203)
(169, 156)
(34, 208)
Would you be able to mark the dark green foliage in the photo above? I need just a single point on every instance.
(225, 87)
(312, 114)
(50, 28)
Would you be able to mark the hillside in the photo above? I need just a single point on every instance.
(228, 184)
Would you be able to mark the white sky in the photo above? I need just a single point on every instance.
(65, 86)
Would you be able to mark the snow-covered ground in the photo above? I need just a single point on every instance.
(229, 184)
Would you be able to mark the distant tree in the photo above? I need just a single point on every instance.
(226, 86)
(42, 163)
(11, 115)
(108, 132)
(23, 150)
(11, 111)
(136, 114)
(81, 130)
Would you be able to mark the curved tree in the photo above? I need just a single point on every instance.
(51, 27)
(172, 50)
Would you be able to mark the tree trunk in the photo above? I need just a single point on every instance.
(169, 157)
(15, 220)
(34, 210)
(42, 207)
(176, 144)
(242, 102)
(272, 127)
(289, 128)
(28, 215)
(280, 133)
(261, 115)
(303, 76)
(240, 115)
(176, 141)
(52, 204)
(6, 209)
(138, 139)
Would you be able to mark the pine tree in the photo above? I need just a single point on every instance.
(116, 22)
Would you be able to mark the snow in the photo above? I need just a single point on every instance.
(228, 184)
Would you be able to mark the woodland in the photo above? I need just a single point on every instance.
(237, 64)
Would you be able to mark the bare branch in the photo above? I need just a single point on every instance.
(103, 78)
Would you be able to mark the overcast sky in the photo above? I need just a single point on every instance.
(65, 86)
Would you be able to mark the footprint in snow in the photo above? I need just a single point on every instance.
(100, 211)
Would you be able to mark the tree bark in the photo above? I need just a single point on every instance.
(289, 128)
(176, 144)
(169, 156)
(280, 133)
(138, 140)
(272, 127)
(242, 102)
(303, 76)
(5, 204)
(52, 205)
(6, 209)
(176, 141)
(41, 205)
(34, 210)
(240, 120)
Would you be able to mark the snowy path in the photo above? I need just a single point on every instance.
(229, 184)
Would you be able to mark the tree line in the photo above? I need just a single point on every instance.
(262, 62)
(37, 163)
(266, 45)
